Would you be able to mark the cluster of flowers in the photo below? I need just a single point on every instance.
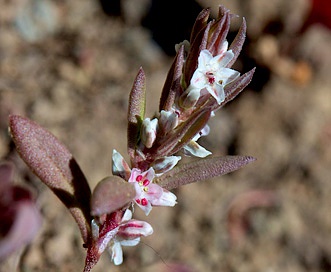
(200, 81)
(204, 91)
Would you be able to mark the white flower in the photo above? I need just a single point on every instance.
(211, 75)
(148, 131)
(149, 194)
(168, 120)
(194, 149)
(128, 234)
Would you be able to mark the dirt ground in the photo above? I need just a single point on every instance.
(70, 65)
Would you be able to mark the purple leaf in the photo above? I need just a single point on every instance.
(6, 174)
(184, 133)
(201, 170)
(198, 44)
(238, 43)
(51, 161)
(25, 225)
(111, 194)
(136, 112)
(172, 85)
(219, 31)
(200, 23)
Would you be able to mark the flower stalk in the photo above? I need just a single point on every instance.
(199, 82)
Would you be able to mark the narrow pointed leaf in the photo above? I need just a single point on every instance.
(199, 43)
(219, 32)
(238, 43)
(51, 161)
(111, 194)
(172, 84)
(136, 111)
(201, 170)
(184, 133)
(200, 23)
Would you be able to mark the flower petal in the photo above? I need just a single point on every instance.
(117, 253)
(132, 242)
(120, 167)
(194, 149)
(167, 199)
(148, 131)
(165, 164)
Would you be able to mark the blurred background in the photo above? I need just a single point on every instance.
(70, 65)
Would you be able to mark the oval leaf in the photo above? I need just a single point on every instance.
(51, 161)
(111, 194)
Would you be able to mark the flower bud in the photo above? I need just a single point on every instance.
(148, 132)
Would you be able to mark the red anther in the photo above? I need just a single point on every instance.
(211, 80)
(139, 178)
(144, 202)
(138, 201)
(146, 182)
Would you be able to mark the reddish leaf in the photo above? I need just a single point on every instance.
(51, 161)
(136, 111)
(184, 133)
(172, 85)
(238, 43)
(111, 194)
(201, 170)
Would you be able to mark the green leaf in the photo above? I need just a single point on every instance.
(51, 161)
(202, 169)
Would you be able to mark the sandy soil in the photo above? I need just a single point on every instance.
(71, 71)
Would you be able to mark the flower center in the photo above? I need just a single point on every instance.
(210, 78)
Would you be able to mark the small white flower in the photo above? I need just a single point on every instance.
(194, 149)
(128, 234)
(120, 167)
(165, 164)
(148, 131)
(212, 74)
(168, 120)
(149, 194)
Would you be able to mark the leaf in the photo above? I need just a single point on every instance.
(200, 23)
(198, 44)
(238, 43)
(219, 31)
(184, 133)
(51, 161)
(201, 170)
(136, 111)
(26, 222)
(111, 194)
(6, 174)
(172, 86)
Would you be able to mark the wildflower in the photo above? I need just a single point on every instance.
(128, 234)
(149, 194)
(148, 131)
(194, 149)
(211, 75)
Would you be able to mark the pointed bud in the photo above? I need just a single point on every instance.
(120, 167)
(165, 164)
(148, 131)
(168, 120)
